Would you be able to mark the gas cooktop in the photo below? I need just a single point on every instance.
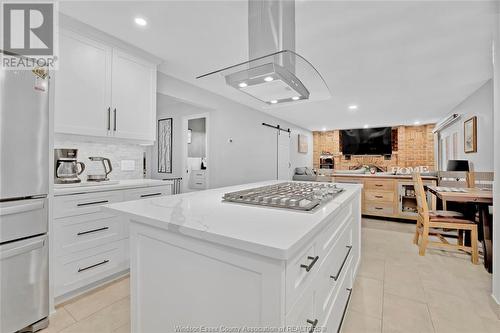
(289, 195)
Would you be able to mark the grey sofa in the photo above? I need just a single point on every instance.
(304, 174)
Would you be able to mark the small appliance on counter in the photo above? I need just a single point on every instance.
(106, 164)
(66, 166)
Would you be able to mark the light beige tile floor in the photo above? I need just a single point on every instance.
(396, 291)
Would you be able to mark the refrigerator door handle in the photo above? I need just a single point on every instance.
(22, 249)
(22, 208)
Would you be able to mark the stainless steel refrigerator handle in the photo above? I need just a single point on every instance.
(22, 249)
(22, 208)
(114, 115)
(82, 165)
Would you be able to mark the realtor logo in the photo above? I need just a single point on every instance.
(28, 30)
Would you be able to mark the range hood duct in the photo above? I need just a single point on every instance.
(272, 73)
(271, 28)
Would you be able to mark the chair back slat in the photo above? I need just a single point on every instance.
(483, 180)
(453, 179)
(422, 205)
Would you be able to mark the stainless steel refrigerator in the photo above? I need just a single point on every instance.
(24, 162)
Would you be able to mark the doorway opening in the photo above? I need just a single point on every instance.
(195, 148)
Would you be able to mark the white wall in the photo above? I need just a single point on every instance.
(479, 104)
(250, 157)
(496, 189)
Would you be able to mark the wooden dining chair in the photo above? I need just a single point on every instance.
(432, 223)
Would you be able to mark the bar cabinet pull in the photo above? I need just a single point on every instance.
(310, 266)
(150, 195)
(349, 247)
(345, 309)
(92, 203)
(92, 266)
(313, 323)
(91, 231)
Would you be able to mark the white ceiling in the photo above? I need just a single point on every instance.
(401, 62)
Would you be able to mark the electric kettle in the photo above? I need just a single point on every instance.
(106, 163)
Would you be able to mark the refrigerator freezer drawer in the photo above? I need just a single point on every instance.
(22, 218)
(24, 290)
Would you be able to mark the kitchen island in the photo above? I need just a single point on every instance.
(198, 263)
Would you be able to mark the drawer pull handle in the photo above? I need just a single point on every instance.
(349, 248)
(150, 195)
(310, 266)
(379, 185)
(92, 266)
(92, 203)
(199, 183)
(379, 196)
(349, 290)
(379, 208)
(91, 231)
(313, 323)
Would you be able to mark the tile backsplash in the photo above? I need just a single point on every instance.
(115, 151)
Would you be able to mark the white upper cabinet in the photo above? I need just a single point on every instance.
(133, 82)
(83, 86)
(103, 91)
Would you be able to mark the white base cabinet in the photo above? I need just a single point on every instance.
(90, 245)
(180, 283)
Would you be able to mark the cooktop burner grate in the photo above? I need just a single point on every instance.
(289, 195)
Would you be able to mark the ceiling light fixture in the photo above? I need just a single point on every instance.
(295, 98)
(416, 123)
(140, 21)
(353, 107)
(366, 126)
(268, 78)
(273, 101)
(242, 85)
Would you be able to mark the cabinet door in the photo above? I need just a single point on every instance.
(83, 86)
(134, 98)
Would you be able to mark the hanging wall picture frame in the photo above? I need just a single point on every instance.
(303, 143)
(470, 135)
(165, 145)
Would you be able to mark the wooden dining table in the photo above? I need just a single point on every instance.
(483, 198)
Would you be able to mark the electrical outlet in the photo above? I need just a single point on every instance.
(128, 165)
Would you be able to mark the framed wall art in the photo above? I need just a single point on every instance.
(165, 145)
(303, 146)
(470, 135)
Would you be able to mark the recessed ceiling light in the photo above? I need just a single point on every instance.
(242, 85)
(273, 101)
(366, 126)
(295, 98)
(416, 122)
(140, 21)
(324, 129)
(268, 78)
(353, 107)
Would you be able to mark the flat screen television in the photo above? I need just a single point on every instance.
(369, 141)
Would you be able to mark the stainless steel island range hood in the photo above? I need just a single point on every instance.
(275, 74)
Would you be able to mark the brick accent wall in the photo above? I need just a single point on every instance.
(415, 147)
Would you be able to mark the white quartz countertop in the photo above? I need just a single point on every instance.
(87, 187)
(272, 232)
